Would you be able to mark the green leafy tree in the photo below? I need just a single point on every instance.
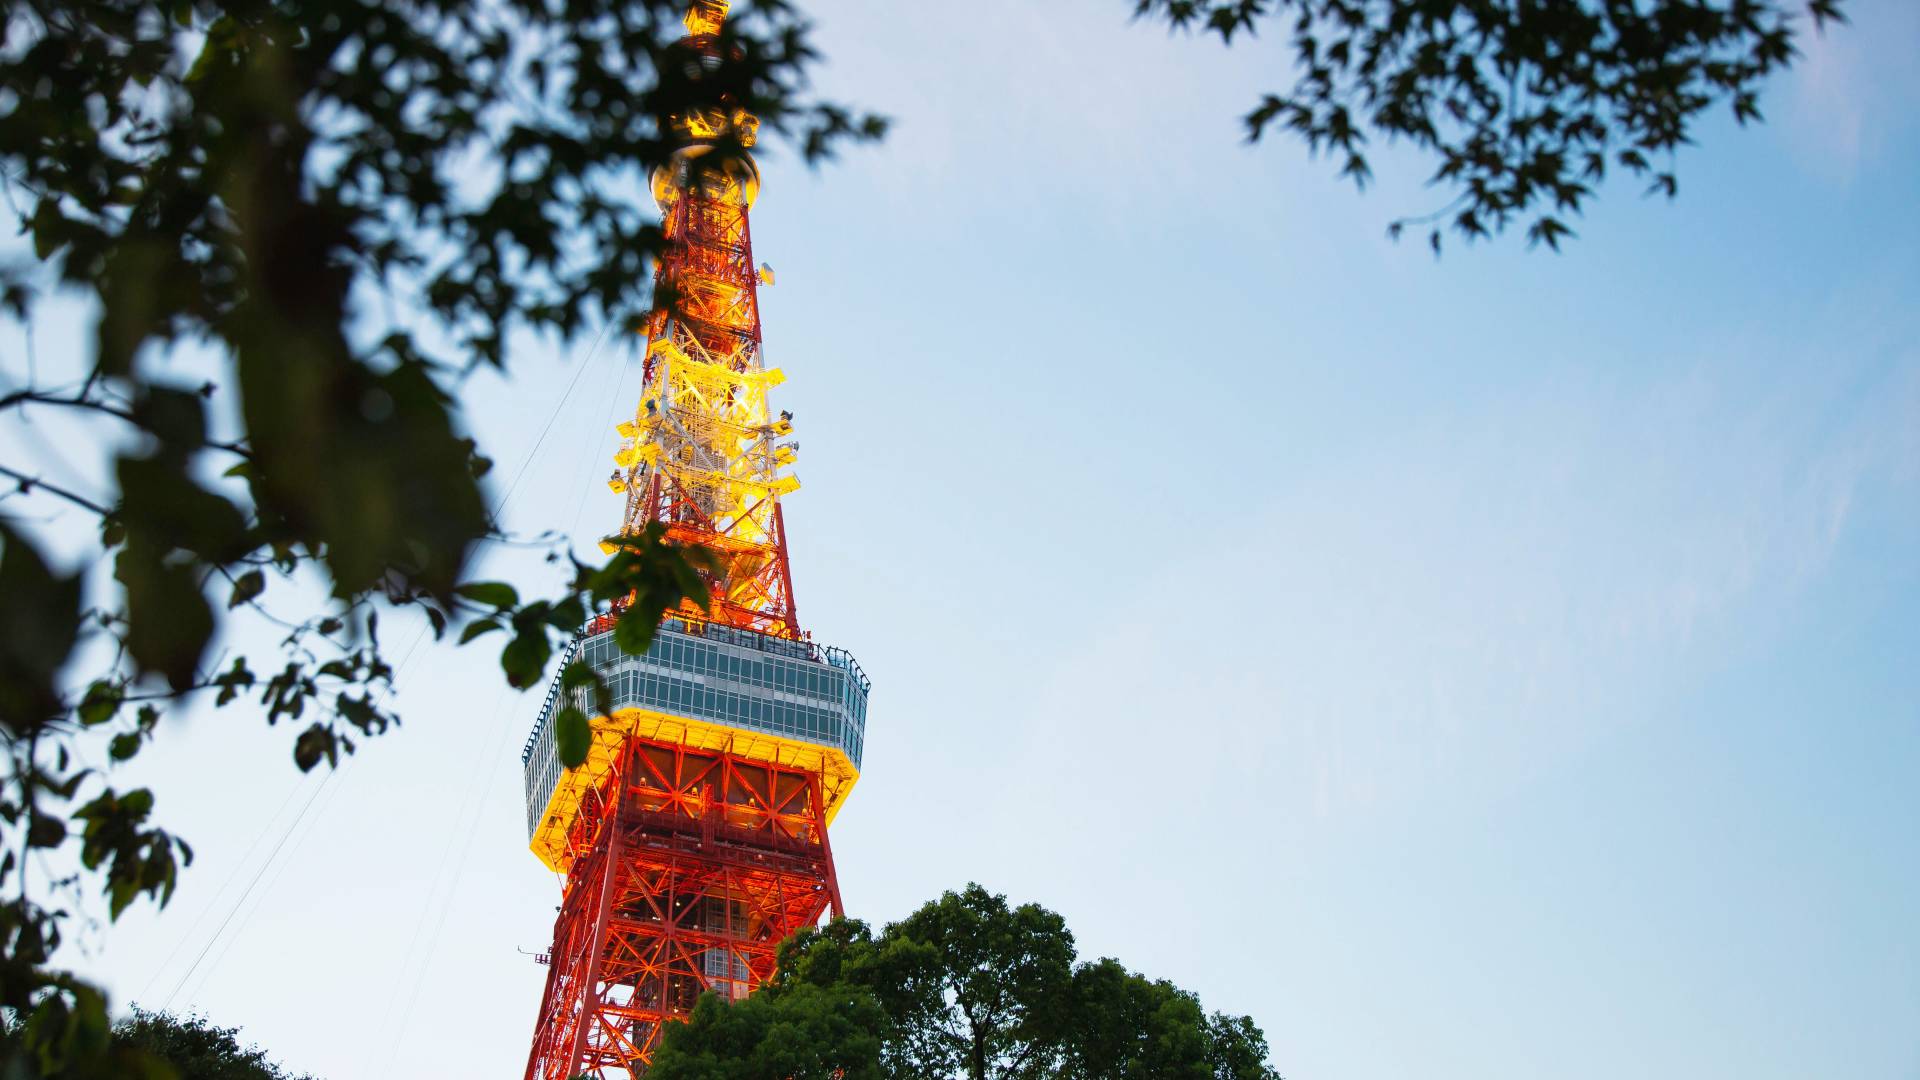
(192, 1048)
(967, 986)
(350, 206)
(808, 1032)
(1129, 1027)
(160, 1046)
(1525, 106)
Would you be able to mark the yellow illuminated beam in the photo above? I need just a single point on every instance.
(706, 16)
(610, 734)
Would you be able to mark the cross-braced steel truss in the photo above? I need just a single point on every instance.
(691, 867)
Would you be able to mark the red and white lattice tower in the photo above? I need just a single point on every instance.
(694, 838)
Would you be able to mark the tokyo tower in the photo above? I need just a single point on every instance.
(694, 838)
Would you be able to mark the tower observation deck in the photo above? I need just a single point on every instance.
(693, 840)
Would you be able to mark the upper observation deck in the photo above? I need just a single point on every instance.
(709, 686)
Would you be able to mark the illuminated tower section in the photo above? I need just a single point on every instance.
(694, 838)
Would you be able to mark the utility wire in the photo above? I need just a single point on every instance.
(326, 802)
(185, 975)
(213, 901)
(472, 800)
(501, 742)
(292, 827)
(525, 464)
(595, 442)
(463, 809)
(548, 427)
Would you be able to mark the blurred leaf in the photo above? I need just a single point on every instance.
(246, 587)
(491, 593)
(382, 490)
(634, 631)
(161, 504)
(572, 737)
(568, 615)
(100, 703)
(525, 658)
(232, 682)
(178, 418)
(169, 622)
(314, 744)
(45, 832)
(133, 289)
(39, 622)
(137, 860)
(577, 674)
(475, 629)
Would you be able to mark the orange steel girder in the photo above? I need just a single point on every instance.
(708, 269)
(708, 265)
(691, 867)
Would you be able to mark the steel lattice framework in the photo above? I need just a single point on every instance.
(692, 869)
(694, 839)
(704, 455)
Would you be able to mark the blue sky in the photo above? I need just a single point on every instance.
(1502, 666)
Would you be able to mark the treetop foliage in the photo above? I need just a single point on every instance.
(967, 986)
(148, 1045)
(1526, 106)
(194, 1048)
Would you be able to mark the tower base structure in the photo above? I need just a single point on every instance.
(694, 840)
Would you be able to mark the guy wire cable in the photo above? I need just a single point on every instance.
(525, 463)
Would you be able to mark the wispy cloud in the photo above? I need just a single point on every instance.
(1853, 88)
(1478, 596)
